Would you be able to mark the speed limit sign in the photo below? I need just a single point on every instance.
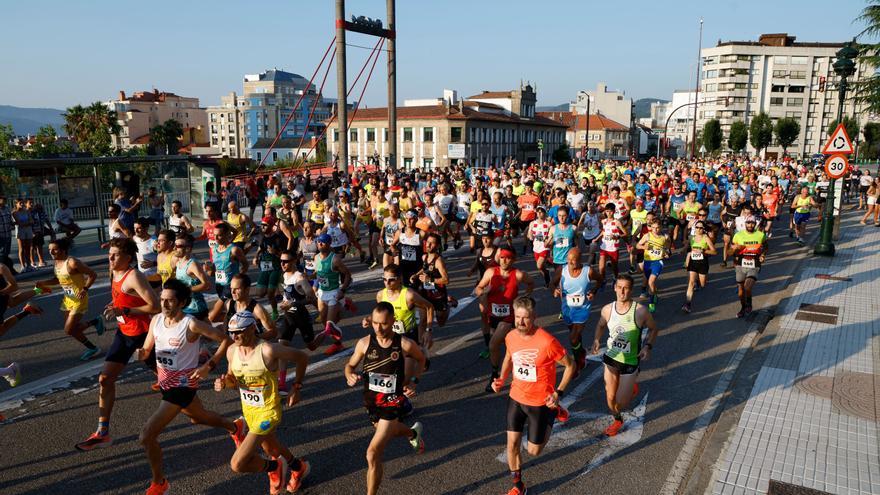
(836, 166)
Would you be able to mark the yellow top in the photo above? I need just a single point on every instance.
(71, 283)
(406, 318)
(164, 266)
(236, 220)
(258, 385)
(656, 247)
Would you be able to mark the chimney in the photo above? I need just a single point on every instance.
(460, 106)
(122, 96)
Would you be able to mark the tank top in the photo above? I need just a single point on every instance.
(130, 325)
(308, 248)
(803, 205)
(389, 228)
(146, 251)
(225, 268)
(638, 219)
(483, 223)
(316, 212)
(257, 385)
(486, 262)
(410, 249)
(70, 283)
(338, 236)
(624, 336)
(174, 223)
(563, 241)
(675, 200)
(690, 211)
(610, 231)
(698, 248)
(163, 267)
(502, 291)
(328, 279)
(430, 289)
(291, 293)
(176, 356)
(236, 221)
(197, 302)
(405, 318)
(574, 289)
(656, 247)
(384, 373)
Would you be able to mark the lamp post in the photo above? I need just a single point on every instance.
(844, 67)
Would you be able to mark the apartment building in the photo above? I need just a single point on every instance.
(141, 111)
(607, 138)
(612, 104)
(779, 76)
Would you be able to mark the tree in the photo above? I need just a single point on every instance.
(869, 149)
(760, 132)
(165, 137)
(561, 153)
(739, 136)
(850, 123)
(92, 127)
(712, 135)
(866, 92)
(8, 149)
(787, 130)
(44, 142)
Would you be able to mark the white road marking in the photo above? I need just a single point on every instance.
(633, 427)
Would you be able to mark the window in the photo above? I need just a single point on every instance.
(798, 74)
(371, 134)
(794, 115)
(710, 88)
(795, 102)
(455, 134)
(274, 156)
(710, 74)
(780, 59)
(259, 156)
(408, 136)
(798, 60)
(213, 117)
(428, 134)
(336, 135)
(776, 102)
(407, 164)
(779, 73)
(384, 134)
(352, 135)
(727, 58)
(428, 163)
(709, 60)
(796, 89)
(777, 88)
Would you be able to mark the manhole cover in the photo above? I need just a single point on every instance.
(783, 488)
(819, 386)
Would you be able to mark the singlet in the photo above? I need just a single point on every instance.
(226, 267)
(500, 216)
(146, 251)
(71, 284)
(539, 230)
(197, 302)
(714, 210)
(432, 290)
(656, 247)
(574, 289)
(328, 279)
(675, 200)
(210, 228)
(690, 211)
(237, 222)
(444, 203)
(176, 356)
(384, 372)
(698, 249)
(753, 243)
(175, 224)
(591, 226)
(308, 248)
(563, 241)
(486, 262)
(338, 237)
(291, 293)
(483, 223)
(164, 267)
(624, 336)
(130, 325)
(502, 291)
(638, 219)
(405, 318)
(257, 384)
(610, 236)
(390, 226)
(316, 212)
(802, 204)
(410, 250)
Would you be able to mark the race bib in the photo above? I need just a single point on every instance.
(690, 217)
(398, 327)
(70, 291)
(539, 237)
(166, 359)
(266, 266)
(221, 278)
(500, 310)
(429, 286)
(748, 263)
(382, 383)
(656, 253)
(608, 238)
(322, 282)
(408, 253)
(528, 207)
(525, 372)
(621, 344)
(574, 300)
(562, 242)
(120, 319)
(310, 264)
(697, 256)
(212, 243)
(252, 396)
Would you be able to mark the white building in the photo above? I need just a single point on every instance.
(612, 104)
(780, 77)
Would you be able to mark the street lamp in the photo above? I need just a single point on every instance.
(844, 67)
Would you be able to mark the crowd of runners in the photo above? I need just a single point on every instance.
(588, 227)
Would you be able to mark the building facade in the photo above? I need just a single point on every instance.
(143, 110)
(449, 131)
(613, 104)
(225, 127)
(607, 138)
(780, 77)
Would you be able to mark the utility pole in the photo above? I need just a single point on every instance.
(392, 87)
(697, 94)
(341, 92)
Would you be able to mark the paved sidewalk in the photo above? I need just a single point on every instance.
(811, 419)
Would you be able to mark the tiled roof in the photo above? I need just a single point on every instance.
(283, 143)
(571, 120)
(492, 94)
(451, 113)
(145, 139)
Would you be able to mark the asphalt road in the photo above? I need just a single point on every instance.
(464, 426)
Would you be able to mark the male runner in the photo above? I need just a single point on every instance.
(133, 303)
(657, 247)
(572, 287)
(386, 383)
(227, 260)
(531, 357)
(333, 279)
(625, 319)
(188, 270)
(538, 232)
(749, 247)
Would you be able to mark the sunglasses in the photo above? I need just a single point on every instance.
(238, 331)
(390, 279)
(285, 261)
(182, 246)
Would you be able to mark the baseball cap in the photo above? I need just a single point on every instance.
(325, 238)
(241, 320)
(411, 214)
(268, 221)
(751, 219)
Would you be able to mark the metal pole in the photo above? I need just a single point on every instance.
(697, 94)
(392, 86)
(341, 90)
(101, 206)
(587, 136)
(825, 246)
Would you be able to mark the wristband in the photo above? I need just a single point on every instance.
(298, 386)
(560, 393)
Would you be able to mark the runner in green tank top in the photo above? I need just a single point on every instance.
(625, 319)
(333, 279)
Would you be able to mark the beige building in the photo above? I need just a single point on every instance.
(225, 127)
(146, 109)
(607, 138)
(613, 104)
(486, 129)
(780, 77)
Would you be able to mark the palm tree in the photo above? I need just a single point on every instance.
(92, 127)
(73, 121)
(867, 90)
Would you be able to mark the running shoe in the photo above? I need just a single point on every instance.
(453, 302)
(632, 270)
(333, 331)
(32, 309)
(15, 377)
(89, 354)
(99, 326)
(239, 434)
(652, 306)
(333, 348)
(278, 479)
(159, 489)
(562, 414)
(484, 354)
(406, 408)
(418, 443)
(155, 387)
(516, 491)
(748, 310)
(374, 264)
(458, 243)
(614, 428)
(559, 316)
(686, 307)
(724, 264)
(274, 315)
(790, 233)
(297, 477)
(95, 441)
(350, 305)
(741, 313)
(643, 295)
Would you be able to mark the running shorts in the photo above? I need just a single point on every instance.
(800, 218)
(612, 255)
(269, 280)
(620, 368)
(539, 418)
(123, 348)
(743, 273)
(575, 315)
(328, 297)
(652, 267)
(179, 396)
(74, 305)
(293, 320)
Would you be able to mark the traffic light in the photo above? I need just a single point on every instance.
(821, 84)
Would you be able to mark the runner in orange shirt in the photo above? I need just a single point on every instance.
(528, 203)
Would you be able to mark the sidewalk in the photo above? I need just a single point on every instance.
(811, 419)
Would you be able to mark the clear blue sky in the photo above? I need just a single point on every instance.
(59, 53)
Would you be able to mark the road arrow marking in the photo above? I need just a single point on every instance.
(633, 427)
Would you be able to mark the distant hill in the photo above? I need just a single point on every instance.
(29, 120)
(562, 107)
(643, 106)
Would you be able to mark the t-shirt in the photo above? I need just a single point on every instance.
(534, 366)
(64, 216)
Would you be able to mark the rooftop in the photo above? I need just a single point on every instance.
(576, 121)
(450, 112)
(780, 40)
(274, 75)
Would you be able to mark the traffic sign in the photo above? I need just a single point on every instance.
(839, 142)
(836, 166)
(540, 144)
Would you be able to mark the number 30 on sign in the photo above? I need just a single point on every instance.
(836, 166)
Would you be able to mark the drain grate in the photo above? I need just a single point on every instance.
(818, 313)
(783, 488)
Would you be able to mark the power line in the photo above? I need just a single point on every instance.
(367, 47)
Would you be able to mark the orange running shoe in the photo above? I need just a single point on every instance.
(333, 348)
(562, 414)
(635, 389)
(95, 441)
(159, 489)
(297, 477)
(155, 387)
(516, 491)
(278, 478)
(614, 428)
(239, 434)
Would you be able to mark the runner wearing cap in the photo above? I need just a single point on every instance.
(253, 366)
(497, 289)
(697, 261)
(410, 244)
(333, 279)
(749, 247)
